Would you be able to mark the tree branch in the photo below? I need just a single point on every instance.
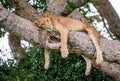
(24, 9)
(18, 25)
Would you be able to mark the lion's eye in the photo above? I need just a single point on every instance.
(42, 23)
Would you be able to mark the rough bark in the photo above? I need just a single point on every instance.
(14, 24)
(78, 42)
(25, 10)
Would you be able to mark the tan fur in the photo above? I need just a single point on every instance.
(63, 25)
(88, 65)
(47, 59)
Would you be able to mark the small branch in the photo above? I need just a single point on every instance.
(107, 28)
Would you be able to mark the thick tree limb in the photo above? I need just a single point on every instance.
(78, 42)
(14, 24)
(24, 9)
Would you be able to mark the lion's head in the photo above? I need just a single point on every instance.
(44, 22)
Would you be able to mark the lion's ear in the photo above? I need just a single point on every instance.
(46, 14)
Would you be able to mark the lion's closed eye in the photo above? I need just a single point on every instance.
(42, 24)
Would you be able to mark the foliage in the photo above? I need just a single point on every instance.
(84, 10)
(70, 6)
(31, 68)
(2, 32)
(40, 5)
(6, 4)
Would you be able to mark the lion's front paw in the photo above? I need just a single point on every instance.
(99, 60)
(87, 73)
(46, 66)
(64, 53)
